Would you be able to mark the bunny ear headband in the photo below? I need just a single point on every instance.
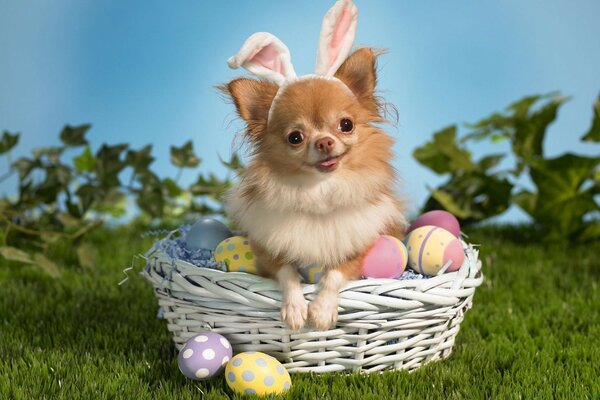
(267, 57)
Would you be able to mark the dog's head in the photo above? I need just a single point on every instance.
(315, 126)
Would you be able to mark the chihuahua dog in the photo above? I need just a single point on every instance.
(319, 187)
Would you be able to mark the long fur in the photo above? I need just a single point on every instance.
(294, 213)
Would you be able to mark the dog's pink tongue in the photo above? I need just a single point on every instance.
(329, 162)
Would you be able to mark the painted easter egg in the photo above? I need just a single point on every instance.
(237, 254)
(256, 373)
(431, 247)
(311, 273)
(386, 258)
(204, 356)
(206, 233)
(440, 218)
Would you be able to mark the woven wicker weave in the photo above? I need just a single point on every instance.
(383, 323)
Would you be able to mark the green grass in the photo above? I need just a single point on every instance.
(534, 332)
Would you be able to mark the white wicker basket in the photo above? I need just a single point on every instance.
(383, 323)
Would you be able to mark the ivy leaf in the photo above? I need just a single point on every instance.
(87, 255)
(498, 138)
(58, 178)
(47, 265)
(85, 162)
(563, 199)
(25, 165)
(113, 202)
(472, 196)
(73, 136)
(489, 162)
(203, 209)
(14, 254)
(449, 203)
(52, 153)
(593, 135)
(88, 195)
(151, 200)
(184, 156)
(51, 237)
(562, 176)
(234, 164)
(521, 107)
(443, 155)
(212, 186)
(529, 131)
(173, 188)
(590, 232)
(109, 164)
(140, 160)
(68, 221)
(8, 141)
(148, 178)
(495, 124)
(527, 201)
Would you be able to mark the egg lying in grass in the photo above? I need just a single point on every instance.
(431, 247)
(256, 373)
(204, 356)
(440, 218)
(386, 258)
(236, 253)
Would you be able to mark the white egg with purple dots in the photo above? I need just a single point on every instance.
(204, 356)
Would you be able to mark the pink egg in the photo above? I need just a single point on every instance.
(439, 218)
(387, 258)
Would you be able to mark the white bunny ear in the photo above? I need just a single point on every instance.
(266, 56)
(337, 36)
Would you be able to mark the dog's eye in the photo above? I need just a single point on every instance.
(346, 125)
(296, 137)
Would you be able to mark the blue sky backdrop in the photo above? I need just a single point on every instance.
(144, 72)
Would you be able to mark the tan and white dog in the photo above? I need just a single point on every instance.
(320, 185)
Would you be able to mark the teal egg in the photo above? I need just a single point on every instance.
(206, 233)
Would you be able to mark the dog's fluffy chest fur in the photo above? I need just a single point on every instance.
(326, 223)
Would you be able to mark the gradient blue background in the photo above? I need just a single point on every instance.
(144, 72)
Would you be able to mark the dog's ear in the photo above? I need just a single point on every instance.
(252, 99)
(358, 72)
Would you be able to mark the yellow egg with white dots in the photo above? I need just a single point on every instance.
(237, 254)
(257, 373)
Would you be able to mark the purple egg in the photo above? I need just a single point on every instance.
(204, 356)
(439, 218)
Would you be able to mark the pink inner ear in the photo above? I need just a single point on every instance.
(339, 32)
(269, 57)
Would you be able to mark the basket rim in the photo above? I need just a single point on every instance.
(186, 281)
(471, 268)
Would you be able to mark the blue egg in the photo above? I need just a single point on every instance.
(206, 233)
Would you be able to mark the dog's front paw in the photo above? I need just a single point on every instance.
(294, 311)
(323, 312)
